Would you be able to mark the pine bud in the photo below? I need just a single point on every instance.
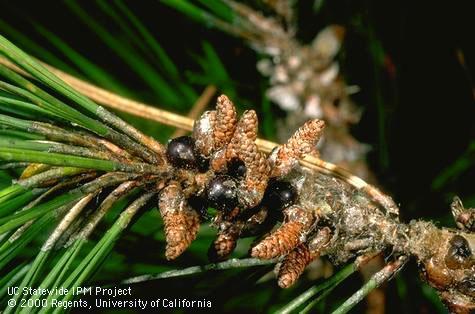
(303, 142)
(280, 242)
(293, 265)
(290, 234)
(254, 185)
(180, 221)
(226, 240)
(245, 135)
(226, 117)
(295, 262)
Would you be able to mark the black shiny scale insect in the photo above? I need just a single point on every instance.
(459, 246)
(459, 252)
(181, 153)
(279, 194)
(221, 192)
(200, 205)
(236, 168)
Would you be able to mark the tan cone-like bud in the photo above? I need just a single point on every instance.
(181, 222)
(245, 135)
(293, 265)
(296, 261)
(243, 146)
(226, 122)
(280, 242)
(254, 185)
(300, 144)
(226, 240)
(290, 234)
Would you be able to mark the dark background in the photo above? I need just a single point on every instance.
(414, 63)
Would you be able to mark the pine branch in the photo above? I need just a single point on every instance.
(362, 225)
(143, 110)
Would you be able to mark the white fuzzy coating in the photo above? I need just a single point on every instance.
(203, 133)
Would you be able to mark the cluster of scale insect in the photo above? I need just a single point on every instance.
(220, 166)
(318, 214)
(297, 214)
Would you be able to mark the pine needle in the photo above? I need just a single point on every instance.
(229, 264)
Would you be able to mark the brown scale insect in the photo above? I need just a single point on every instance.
(220, 166)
